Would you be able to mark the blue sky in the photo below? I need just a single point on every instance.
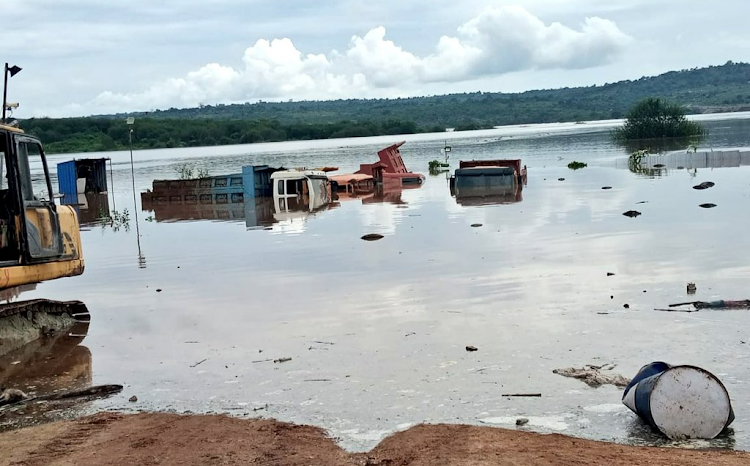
(85, 57)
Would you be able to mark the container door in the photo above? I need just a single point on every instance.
(41, 224)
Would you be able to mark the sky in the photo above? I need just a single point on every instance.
(84, 57)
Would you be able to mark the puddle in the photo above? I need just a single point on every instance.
(529, 289)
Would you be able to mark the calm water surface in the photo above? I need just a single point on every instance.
(377, 330)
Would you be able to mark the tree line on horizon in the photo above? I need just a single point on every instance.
(716, 88)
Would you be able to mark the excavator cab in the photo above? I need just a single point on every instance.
(39, 240)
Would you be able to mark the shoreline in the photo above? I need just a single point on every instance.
(159, 438)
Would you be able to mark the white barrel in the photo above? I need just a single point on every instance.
(681, 402)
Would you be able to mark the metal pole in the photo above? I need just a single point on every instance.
(141, 259)
(112, 182)
(5, 91)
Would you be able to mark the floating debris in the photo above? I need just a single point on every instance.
(691, 288)
(471, 348)
(372, 237)
(276, 361)
(476, 225)
(133, 399)
(631, 213)
(705, 185)
(721, 304)
(523, 395)
(593, 376)
(708, 205)
(680, 402)
(626, 306)
(576, 165)
(659, 165)
(610, 274)
(199, 362)
(606, 187)
(158, 290)
(561, 179)
(522, 421)
(11, 396)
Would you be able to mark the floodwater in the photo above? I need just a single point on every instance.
(376, 331)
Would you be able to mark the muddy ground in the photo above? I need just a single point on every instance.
(168, 439)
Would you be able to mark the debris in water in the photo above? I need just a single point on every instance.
(12, 395)
(523, 395)
(705, 185)
(606, 187)
(133, 399)
(631, 213)
(372, 237)
(610, 274)
(98, 390)
(642, 202)
(626, 306)
(276, 361)
(659, 165)
(471, 348)
(522, 421)
(691, 288)
(476, 225)
(680, 402)
(576, 165)
(261, 360)
(158, 290)
(721, 304)
(561, 179)
(199, 362)
(708, 205)
(593, 377)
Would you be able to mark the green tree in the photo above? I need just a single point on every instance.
(655, 118)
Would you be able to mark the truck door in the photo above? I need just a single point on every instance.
(41, 226)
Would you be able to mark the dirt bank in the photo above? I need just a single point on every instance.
(167, 439)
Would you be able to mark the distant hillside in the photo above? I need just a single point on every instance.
(713, 89)
(702, 90)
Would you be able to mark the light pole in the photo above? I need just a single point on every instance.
(12, 70)
(141, 258)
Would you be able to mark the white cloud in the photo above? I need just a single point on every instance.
(499, 40)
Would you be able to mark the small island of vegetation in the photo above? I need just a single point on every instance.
(655, 118)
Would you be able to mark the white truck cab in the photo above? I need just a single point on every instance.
(301, 191)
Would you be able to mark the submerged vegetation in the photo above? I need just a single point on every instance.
(575, 165)
(185, 171)
(655, 118)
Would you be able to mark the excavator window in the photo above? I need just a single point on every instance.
(8, 246)
(42, 228)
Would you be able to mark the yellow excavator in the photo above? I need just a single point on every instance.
(39, 240)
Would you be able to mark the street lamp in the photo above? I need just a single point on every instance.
(141, 258)
(12, 71)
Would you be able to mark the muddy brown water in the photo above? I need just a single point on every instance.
(377, 331)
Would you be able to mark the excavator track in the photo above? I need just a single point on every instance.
(75, 309)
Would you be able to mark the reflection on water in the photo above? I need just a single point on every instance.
(92, 208)
(377, 330)
(47, 365)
